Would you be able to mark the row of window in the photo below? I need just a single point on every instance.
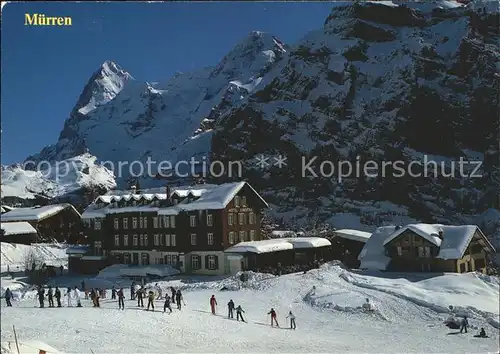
(210, 239)
(133, 258)
(240, 201)
(192, 220)
(167, 221)
(242, 218)
(161, 239)
(421, 251)
(243, 236)
(142, 240)
(211, 262)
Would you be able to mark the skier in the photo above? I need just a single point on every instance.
(113, 293)
(96, 298)
(57, 295)
(292, 320)
(132, 291)
(273, 317)
(463, 324)
(213, 303)
(178, 299)
(158, 290)
(172, 289)
(68, 294)
(239, 313)
(140, 294)
(151, 299)
(8, 296)
(230, 308)
(76, 294)
(50, 296)
(166, 305)
(92, 296)
(41, 297)
(121, 297)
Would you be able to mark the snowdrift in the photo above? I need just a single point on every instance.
(14, 255)
(28, 347)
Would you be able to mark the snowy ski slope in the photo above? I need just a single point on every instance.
(408, 317)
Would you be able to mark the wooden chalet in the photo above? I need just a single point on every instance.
(428, 248)
(347, 245)
(60, 222)
(186, 227)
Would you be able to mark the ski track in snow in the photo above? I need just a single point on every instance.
(330, 320)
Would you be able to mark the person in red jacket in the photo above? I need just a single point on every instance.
(273, 317)
(213, 303)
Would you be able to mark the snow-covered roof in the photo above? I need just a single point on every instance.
(6, 208)
(453, 245)
(18, 228)
(35, 213)
(372, 256)
(426, 231)
(457, 238)
(355, 235)
(209, 197)
(78, 249)
(279, 244)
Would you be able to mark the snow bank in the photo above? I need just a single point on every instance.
(471, 292)
(14, 255)
(27, 347)
(256, 281)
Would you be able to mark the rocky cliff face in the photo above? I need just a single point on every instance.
(385, 84)
(378, 82)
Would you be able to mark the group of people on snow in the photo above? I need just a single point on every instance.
(231, 308)
(461, 324)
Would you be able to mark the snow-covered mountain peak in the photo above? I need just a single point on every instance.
(102, 87)
(251, 56)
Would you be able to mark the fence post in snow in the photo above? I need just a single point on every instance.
(15, 338)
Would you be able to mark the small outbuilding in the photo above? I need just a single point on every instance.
(19, 232)
(347, 245)
(275, 253)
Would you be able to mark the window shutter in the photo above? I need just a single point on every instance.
(216, 262)
(206, 263)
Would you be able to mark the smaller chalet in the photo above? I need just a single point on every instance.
(19, 232)
(257, 255)
(427, 248)
(347, 245)
(60, 222)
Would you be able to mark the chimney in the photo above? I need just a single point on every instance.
(167, 191)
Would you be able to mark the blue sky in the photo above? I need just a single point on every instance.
(44, 69)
